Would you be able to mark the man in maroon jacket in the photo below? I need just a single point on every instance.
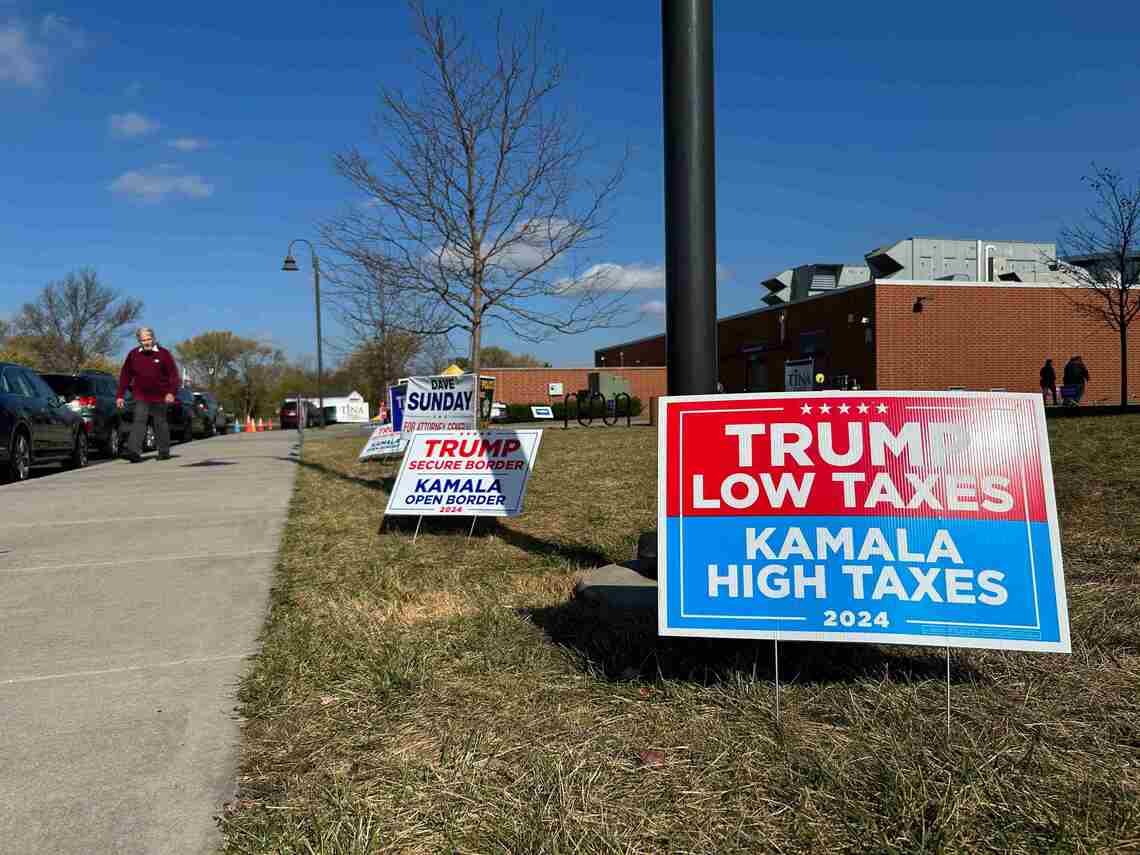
(151, 375)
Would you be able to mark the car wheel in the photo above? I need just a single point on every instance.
(150, 439)
(20, 464)
(188, 431)
(78, 459)
(212, 429)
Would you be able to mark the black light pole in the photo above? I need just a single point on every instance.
(290, 264)
(690, 197)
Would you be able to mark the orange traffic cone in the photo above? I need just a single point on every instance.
(260, 425)
(249, 424)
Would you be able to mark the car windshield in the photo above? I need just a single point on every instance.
(67, 387)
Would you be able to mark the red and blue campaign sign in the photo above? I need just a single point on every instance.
(882, 517)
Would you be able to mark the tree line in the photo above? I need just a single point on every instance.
(81, 324)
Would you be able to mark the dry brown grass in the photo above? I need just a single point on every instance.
(451, 696)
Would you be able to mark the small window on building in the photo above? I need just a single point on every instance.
(813, 341)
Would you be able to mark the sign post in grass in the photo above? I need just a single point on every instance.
(924, 518)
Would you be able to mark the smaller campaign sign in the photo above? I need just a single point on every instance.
(542, 412)
(396, 395)
(384, 442)
(882, 517)
(481, 473)
(440, 402)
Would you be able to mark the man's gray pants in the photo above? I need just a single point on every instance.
(143, 410)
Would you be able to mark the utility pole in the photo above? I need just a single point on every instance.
(690, 197)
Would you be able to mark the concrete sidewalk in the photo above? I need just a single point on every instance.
(130, 596)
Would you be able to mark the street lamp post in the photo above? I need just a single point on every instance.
(690, 197)
(290, 264)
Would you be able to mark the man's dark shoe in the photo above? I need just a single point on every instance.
(164, 457)
(133, 458)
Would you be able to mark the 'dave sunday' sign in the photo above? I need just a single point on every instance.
(883, 517)
(483, 473)
(440, 402)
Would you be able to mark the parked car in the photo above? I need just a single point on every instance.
(288, 414)
(36, 427)
(213, 416)
(182, 416)
(91, 396)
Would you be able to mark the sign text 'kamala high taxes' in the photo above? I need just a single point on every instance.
(882, 517)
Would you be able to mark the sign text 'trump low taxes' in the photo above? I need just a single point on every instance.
(883, 517)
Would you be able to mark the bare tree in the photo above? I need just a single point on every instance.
(75, 321)
(211, 356)
(1102, 258)
(480, 199)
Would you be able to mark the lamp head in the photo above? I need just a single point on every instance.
(289, 264)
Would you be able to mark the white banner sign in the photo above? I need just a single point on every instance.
(440, 402)
(542, 412)
(384, 442)
(473, 472)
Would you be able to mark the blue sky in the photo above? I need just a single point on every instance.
(178, 148)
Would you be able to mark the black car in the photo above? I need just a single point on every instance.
(182, 417)
(91, 396)
(213, 416)
(36, 427)
(289, 414)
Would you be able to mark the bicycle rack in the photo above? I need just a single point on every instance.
(628, 408)
(584, 409)
(566, 409)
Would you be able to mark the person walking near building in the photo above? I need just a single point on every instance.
(152, 376)
(1049, 381)
(1077, 377)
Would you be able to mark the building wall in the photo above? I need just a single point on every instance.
(752, 352)
(827, 327)
(976, 336)
(530, 385)
(646, 351)
(993, 336)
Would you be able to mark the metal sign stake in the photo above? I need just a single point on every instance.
(777, 650)
(471, 531)
(419, 520)
(947, 693)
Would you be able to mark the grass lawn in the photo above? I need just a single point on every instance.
(449, 696)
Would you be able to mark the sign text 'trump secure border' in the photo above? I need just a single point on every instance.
(883, 517)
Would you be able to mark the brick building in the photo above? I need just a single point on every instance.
(532, 385)
(903, 333)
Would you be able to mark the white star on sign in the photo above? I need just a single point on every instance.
(825, 408)
(806, 408)
(882, 408)
(863, 408)
(843, 408)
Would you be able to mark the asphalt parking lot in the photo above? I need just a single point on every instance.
(130, 594)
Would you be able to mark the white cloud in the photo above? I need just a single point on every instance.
(28, 52)
(60, 30)
(610, 276)
(656, 308)
(619, 277)
(160, 183)
(20, 60)
(188, 143)
(130, 125)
